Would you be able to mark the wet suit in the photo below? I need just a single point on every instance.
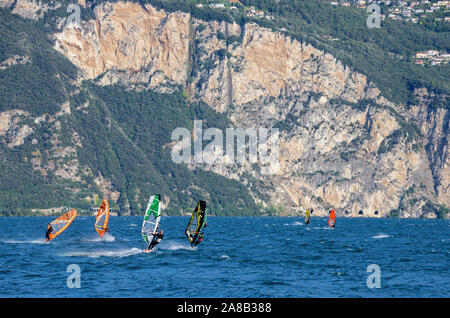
(198, 237)
(156, 240)
(47, 234)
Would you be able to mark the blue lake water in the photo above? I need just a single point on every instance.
(240, 257)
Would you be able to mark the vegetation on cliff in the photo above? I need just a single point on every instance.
(122, 133)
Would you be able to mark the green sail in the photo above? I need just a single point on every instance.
(152, 218)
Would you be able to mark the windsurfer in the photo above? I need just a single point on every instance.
(195, 229)
(157, 237)
(199, 237)
(49, 230)
(196, 239)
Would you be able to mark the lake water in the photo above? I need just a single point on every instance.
(262, 257)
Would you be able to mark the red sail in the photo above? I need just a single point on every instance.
(332, 218)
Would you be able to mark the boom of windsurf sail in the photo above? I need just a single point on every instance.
(152, 218)
(307, 215)
(101, 222)
(58, 226)
(332, 218)
(196, 224)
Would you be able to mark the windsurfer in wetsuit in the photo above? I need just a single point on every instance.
(199, 237)
(157, 237)
(196, 239)
(47, 234)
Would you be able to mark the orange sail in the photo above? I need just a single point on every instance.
(57, 226)
(332, 218)
(101, 222)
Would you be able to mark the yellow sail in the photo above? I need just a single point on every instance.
(307, 215)
(196, 224)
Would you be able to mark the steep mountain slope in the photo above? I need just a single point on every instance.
(80, 142)
(144, 70)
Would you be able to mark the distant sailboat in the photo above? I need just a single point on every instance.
(307, 216)
(332, 219)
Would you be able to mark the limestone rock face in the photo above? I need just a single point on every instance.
(12, 129)
(29, 9)
(434, 126)
(129, 43)
(270, 65)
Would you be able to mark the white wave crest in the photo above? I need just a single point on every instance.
(106, 238)
(35, 241)
(380, 236)
(296, 223)
(322, 228)
(106, 253)
(177, 246)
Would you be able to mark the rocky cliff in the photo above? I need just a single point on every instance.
(342, 144)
